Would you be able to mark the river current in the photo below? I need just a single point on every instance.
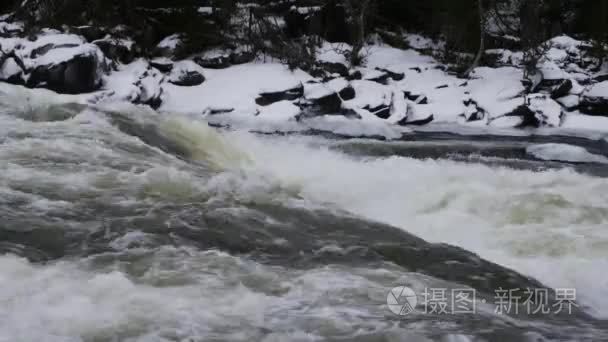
(122, 224)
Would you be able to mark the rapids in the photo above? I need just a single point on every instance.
(118, 223)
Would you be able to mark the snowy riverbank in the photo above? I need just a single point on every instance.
(396, 91)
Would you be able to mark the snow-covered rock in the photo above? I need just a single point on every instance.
(169, 46)
(163, 64)
(267, 98)
(595, 100)
(138, 83)
(279, 112)
(569, 102)
(11, 72)
(117, 49)
(417, 114)
(187, 74)
(69, 70)
(328, 97)
(547, 111)
(372, 97)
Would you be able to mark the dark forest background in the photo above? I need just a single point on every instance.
(273, 26)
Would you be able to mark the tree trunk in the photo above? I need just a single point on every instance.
(482, 39)
(359, 13)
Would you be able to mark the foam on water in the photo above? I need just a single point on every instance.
(549, 225)
(183, 294)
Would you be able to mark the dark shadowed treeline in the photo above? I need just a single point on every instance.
(465, 25)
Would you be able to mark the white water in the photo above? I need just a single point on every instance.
(550, 225)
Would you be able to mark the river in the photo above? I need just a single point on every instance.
(122, 224)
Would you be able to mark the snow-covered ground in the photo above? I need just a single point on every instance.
(396, 90)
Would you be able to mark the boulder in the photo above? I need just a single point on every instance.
(472, 111)
(562, 89)
(169, 46)
(186, 74)
(417, 115)
(214, 62)
(381, 111)
(241, 57)
(10, 71)
(326, 98)
(417, 98)
(594, 101)
(334, 68)
(116, 49)
(163, 64)
(8, 29)
(546, 110)
(90, 32)
(69, 70)
(150, 91)
(42, 50)
(396, 76)
(521, 116)
(372, 97)
(569, 102)
(268, 98)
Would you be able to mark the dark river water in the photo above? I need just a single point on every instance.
(127, 225)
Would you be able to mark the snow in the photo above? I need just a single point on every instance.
(9, 68)
(55, 38)
(371, 94)
(313, 91)
(354, 127)
(598, 90)
(565, 43)
(497, 91)
(124, 82)
(56, 56)
(570, 101)
(548, 111)
(551, 71)
(579, 121)
(170, 42)
(333, 52)
(127, 43)
(279, 111)
(183, 67)
(205, 10)
(566, 153)
(506, 122)
(236, 87)
(399, 107)
(306, 10)
(11, 27)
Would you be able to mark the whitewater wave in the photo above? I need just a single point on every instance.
(545, 224)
